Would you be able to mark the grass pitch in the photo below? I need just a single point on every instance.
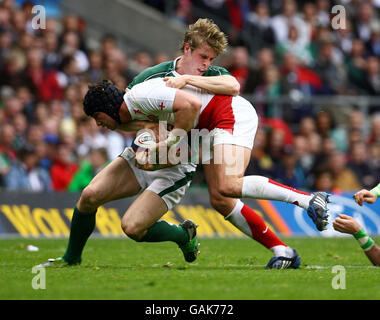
(230, 269)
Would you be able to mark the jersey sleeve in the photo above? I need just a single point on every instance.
(150, 98)
(157, 71)
(216, 71)
(376, 191)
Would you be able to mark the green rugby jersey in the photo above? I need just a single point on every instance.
(167, 69)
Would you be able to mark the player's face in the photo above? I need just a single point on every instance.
(198, 60)
(104, 120)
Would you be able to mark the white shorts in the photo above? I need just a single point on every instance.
(244, 127)
(170, 183)
(237, 126)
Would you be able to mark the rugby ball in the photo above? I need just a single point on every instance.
(143, 141)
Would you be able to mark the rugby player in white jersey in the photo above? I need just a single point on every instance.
(231, 123)
(158, 191)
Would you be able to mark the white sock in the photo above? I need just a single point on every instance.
(259, 187)
(237, 219)
(282, 251)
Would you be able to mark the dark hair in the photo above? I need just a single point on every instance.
(103, 97)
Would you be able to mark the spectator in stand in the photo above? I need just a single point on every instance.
(307, 126)
(359, 164)
(95, 71)
(331, 71)
(140, 61)
(72, 23)
(345, 179)
(275, 146)
(270, 88)
(374, 158)
(296, 46)
(20, 125)
(305, 159)
(265, 59)
(13, 72)
(63, 168)
(52, 57)
(258, 25)
(309, 15)
(343, 38)
(327, 128)
(108, 44)
(98, 159)
(54, 84)
(324, 179)
(323, 12)
(70, 47)
(373, 46)
(24, 94)
(374, 135)
(35, 135)
(239, 65)
(34, 69)
(261, 163)
(298, 81)
(160, 57)
(363, 21)
(327, 147)
(356, 121)
(355, 64)
(8, 154)
(90, 137)
(289, 171)
(26, 175)
(371, 84)
(287, 18)
(183, 12)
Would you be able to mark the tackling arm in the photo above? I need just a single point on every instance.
(223, 84)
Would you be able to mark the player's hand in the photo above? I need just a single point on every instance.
(346, 224)
(143, 161)
(176, 82)
(364, 196)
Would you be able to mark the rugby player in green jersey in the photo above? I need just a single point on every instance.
(203, 42)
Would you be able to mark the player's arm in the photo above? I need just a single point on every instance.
(369, 196)
(186, 108)
(223, 84)
(347, 224)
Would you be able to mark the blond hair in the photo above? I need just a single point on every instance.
(205, 31)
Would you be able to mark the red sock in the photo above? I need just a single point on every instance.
(260, 231)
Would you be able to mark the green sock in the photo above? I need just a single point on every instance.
(82, 225)
(164, 231)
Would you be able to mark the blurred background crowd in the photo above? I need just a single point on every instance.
(278, 49)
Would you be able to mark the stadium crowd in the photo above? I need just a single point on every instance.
(48, 144)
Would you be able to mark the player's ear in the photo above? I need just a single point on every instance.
(186, 47)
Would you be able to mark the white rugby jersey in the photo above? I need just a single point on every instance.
(152, 100)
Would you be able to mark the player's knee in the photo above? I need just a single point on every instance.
(226, 190)
(221, 204)
(132, 229)
(90, 197)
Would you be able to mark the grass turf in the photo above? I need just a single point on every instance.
(226, 269)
